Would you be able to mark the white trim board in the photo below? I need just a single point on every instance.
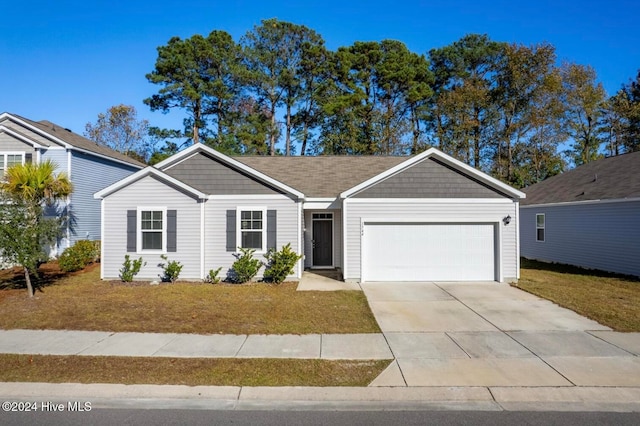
(580, 203)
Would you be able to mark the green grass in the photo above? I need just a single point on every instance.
(80, 301)
(610, 299)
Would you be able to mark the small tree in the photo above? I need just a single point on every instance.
(23, 241)
(25, 191)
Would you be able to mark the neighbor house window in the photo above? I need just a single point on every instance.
(152, 229)
(8, 160)
(540, 227)
(252, 229)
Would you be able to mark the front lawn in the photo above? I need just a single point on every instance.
(81, 301)
(610, 299)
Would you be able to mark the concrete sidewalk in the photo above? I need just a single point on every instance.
(308, 346)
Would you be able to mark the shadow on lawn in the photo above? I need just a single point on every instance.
(570, 269)
(13, 278)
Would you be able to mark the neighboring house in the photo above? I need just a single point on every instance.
(422, 218)
(89, 166)
(588, 216)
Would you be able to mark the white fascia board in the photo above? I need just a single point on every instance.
(148, 171)
(422, 219)
(321, 203)
(581, 203)
(249, 197)
(432, 200)
(4, 129)
(36, 130)
(433, 152)
(193, 149)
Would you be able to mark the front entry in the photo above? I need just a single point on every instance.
(322, 244)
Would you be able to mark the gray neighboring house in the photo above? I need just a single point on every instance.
(588, 216)
(90, 167)
(423, 218)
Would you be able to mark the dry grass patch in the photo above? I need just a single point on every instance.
(188, 371)
(610, 299)
(81, 301)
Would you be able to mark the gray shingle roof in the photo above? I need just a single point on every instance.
(78, 141)
(609, 178)
(322, 176)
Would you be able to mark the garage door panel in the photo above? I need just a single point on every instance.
(429, 252)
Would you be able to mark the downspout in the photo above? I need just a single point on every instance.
(202, 238)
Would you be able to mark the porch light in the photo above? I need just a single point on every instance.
(507, 220)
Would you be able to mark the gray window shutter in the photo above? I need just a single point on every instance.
(131, 230)
(172, 231)
(28, 158)
(231, 230)
(272, 229)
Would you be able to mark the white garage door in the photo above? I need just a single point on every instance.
(429, 252)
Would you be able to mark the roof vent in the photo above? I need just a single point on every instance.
(595, 177)
(68, 130)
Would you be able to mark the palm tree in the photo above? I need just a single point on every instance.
(32, 186)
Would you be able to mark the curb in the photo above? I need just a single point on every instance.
(613, 399)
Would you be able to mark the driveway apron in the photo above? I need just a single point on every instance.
(492, 334)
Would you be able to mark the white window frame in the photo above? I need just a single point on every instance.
(239, 231)
(543, 227)
(140, 250)
(4, 159)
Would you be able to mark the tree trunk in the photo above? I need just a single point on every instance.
(416, 131)
(197, 115)
(305, 135)
(27, 279)
(288, 141)
(272, 137)
(219, 122)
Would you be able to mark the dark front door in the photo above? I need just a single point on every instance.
(322, 243)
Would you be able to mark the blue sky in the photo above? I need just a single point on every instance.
(67, 60)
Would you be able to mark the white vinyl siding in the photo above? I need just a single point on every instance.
(216, 254)
(600, 235)
(442, 211)
(145, 193)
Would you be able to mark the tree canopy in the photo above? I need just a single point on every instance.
(25, 233)
(505, 108)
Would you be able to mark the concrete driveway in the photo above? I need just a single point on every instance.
(491, 334)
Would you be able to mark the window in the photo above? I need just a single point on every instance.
(152, 229)
(540, 227)
(252, 229)
(8, 160)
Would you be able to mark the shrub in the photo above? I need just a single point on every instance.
(245, 267)
(212, 277)
(280, 264)
(171, 270)
(78, 256)
(130, 268)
